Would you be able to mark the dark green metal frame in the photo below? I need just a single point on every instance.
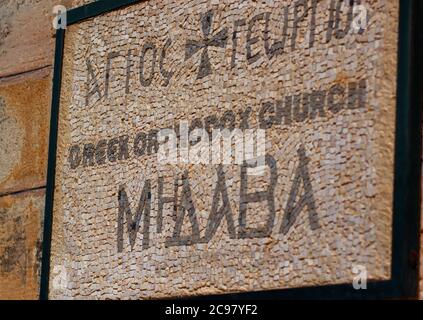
(407, 183)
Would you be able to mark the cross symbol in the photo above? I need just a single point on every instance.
(219, 40)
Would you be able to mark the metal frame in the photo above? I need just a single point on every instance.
(407, 182)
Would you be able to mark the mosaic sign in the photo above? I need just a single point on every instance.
(213, 147)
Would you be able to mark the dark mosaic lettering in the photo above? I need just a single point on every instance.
(211, 122)
(336, 98)
(295, 206)
(110, 57)
(228, 120)
(267, 115)
(186, 207)
(341, 33)
(123, 148)
(145, 82)
(251, 58)
(88, 155)
(357, 93)
(91, 81)
(218, 213)
(74, 156)
(197, 123)
(244, 118)
(284, 111)
(140, 144)
(152, 143)
(112, 149)
(317, 104)
(313, 23)
(237, 24)
(167, 75)
(299, 15)
(244, 231)
(335, 20)
(303, 106)
(278, 46)
(101, 152)
(300, 107)
(133, 224)
(163, 200)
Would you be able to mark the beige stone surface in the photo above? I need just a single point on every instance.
(27, 34)
(26, 44)
(25, 103)
(20, 245)
(348, 153)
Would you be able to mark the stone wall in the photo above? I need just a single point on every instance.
(26, 58)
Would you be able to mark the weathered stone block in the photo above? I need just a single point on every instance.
(20, 244)
(24, 122)
(27, 34)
